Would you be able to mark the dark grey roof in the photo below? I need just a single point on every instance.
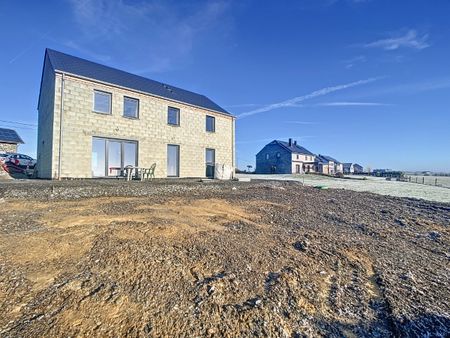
(294, 148)
(325, 158)
(9, 136)
(81, 67)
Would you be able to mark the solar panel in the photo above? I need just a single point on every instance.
(9, 136)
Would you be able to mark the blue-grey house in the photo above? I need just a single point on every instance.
(279, 157)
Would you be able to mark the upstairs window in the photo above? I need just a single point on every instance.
(267, 156)
(210, 123)
(173, 116)
(102, 102)
(130, 107)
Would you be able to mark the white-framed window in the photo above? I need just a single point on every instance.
(267, 156)
(278, 155)
(130, 107)
(210, 123)
(102, 102)
(173, 116)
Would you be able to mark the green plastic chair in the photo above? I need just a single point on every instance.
(150, 172)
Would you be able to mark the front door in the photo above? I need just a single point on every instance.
(210, 157)
(173, 160)
(297, 168)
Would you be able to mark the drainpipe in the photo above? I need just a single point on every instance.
(232, 148)
(60, 126)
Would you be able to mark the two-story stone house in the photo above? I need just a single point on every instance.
(94, 120)
(279, 157)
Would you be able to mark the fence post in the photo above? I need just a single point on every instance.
(423, 180)
(435, 181)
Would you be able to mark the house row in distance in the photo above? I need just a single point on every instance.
(95, 120)
(280, 157)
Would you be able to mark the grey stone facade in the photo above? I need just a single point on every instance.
(273, 159)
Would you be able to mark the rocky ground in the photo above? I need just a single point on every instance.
(183, 258)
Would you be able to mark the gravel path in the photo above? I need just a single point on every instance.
(183, 258)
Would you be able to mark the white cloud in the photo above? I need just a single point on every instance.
(294, 101)
(410, 39)
(149, 35)
(353, 61)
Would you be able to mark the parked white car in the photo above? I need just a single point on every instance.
(20, 160)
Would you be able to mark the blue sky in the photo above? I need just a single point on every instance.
(364, 81)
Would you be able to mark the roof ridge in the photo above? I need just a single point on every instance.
(88, 66)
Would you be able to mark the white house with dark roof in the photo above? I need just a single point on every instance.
(328, 165)
(279, 157)
(352, 168)
(95, 120)
(9, 140)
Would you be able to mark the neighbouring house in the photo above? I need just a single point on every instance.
(95, 120)
(9, 140)
(328, 165)
(279, 157)
(352, 168)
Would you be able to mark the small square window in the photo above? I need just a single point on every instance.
(210, 123)
(173, 116)
(102, 102)
(130, 107)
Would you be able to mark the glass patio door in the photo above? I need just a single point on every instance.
(173, 160)
(98, 157)
(114, 158)
(109, 157)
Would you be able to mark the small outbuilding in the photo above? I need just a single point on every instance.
(9, 140)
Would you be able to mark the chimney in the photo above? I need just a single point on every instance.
(290, 142)
(295, 142)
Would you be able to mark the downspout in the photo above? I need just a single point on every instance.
(60, 126)
(232, 148)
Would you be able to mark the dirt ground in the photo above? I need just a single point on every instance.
(220, 259)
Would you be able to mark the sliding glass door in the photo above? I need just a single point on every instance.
(98, 157)
(114, 157)
(110, 156)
